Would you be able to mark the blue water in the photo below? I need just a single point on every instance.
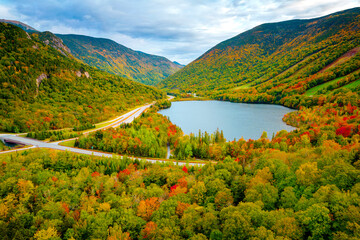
(235, 119)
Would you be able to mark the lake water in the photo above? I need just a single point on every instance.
(235, 119)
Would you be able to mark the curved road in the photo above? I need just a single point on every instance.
(40, 144)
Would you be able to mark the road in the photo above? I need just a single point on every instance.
(126, 118)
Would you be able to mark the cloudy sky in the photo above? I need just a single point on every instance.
(180, 30)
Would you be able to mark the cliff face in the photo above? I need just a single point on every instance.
(50, 39)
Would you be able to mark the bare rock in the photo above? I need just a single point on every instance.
(39, 80)
(78, 73)
(27, 35)
(57, 43)
(87, 75)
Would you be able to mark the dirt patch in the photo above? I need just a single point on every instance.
(342, 59)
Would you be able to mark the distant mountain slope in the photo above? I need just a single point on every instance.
(21, 25)
(277, 60)
(112, 57)
(43, 89)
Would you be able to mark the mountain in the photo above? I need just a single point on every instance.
(277, 61)
(42, 88)
(114, 58)
(107, 55)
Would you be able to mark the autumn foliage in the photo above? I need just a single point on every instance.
(147, 207)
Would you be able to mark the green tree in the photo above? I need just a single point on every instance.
(288, 198)
(316, 221)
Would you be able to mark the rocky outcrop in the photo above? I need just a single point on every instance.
(58, 44)
(28, 35)
(87, 75)
(79, 74)
(39, 80)
(50, 39)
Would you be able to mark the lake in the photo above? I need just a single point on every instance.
(235, 119)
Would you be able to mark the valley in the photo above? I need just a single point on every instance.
(129, 172)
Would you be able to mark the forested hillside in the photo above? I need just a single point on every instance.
(43, 89)
(112, 57)
(279, 62)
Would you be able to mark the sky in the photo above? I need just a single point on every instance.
(180, 30)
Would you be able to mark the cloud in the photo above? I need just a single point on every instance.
(179, 30)
(6, 12)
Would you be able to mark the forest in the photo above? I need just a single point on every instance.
(302, 185)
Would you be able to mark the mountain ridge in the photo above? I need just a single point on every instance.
(272, 24)
(115, 58)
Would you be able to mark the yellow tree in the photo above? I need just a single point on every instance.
(308, 173)
(49, 233)
(147, 207)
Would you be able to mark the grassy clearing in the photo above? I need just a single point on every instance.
(100, 125)
(16, 149)
(245, 86)
(2, 146)
(70, 143)
(312, 91)
(5, 155)
(352, 85)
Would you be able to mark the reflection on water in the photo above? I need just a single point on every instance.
(235, 119)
